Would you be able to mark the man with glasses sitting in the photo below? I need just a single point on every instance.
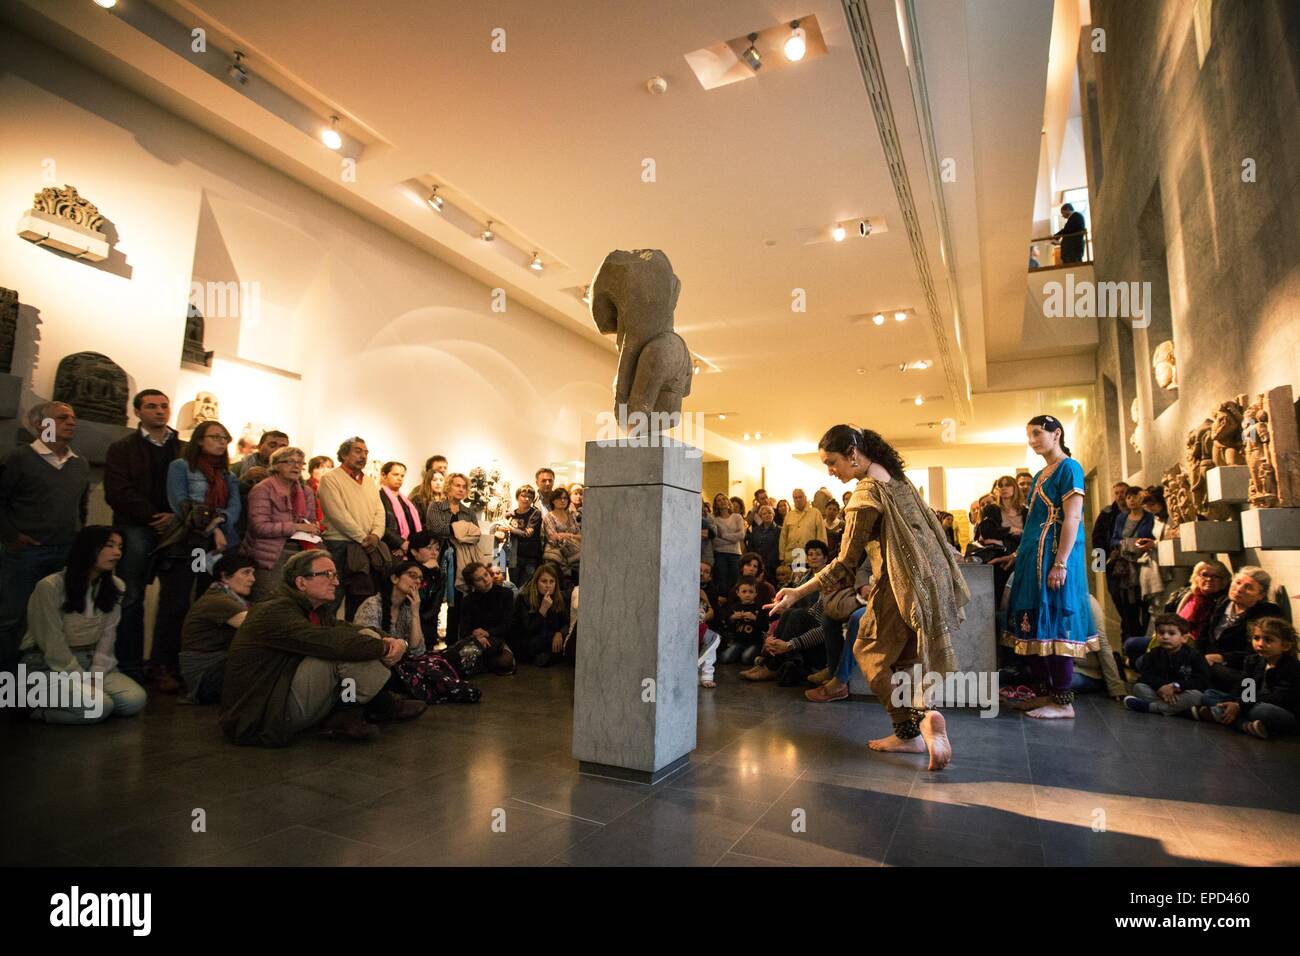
(292, 666)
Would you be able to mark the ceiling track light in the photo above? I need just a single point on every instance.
(838, 233)
(487, 235)
(919, 400)
(106, 4)
(900, 316)
(237, 72)
(878, 318)
(330, 137)
(796, 44)
(434, 200)
(751, 56)
(536, 263)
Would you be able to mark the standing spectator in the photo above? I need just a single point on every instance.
(423, 495)
(354, 517)
(1071, 235)
(1122, 573)
(545, 479)
(135, 487)
(43, 499)
(211, 623)
(540, 619)
(738, 506)
(708, 532)
(575, 499)
(802, 525)
(563, 537)
(317, 468)
(401, 517)
(204, 496)
(72, 628)
(1105, 523)
(455, 526)
(261, 458)
(728, 544)
(782, 509)
(760, 499)
(1025, 482)
(764, 537)
(523, 528)
(834, 526)
(280, 506)
(485, 621)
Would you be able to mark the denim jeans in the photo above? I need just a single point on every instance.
(1135, 648)
(1277, 719)
(1081, 683)
(19, 573)
(136, 571)
(118, 695)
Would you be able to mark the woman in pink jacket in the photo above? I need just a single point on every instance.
(279, 507)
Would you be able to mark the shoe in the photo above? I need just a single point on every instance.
(165, 682)
(1256, 728)
(348, 723)
(821, 677)
(1201, 713)
(820, 695)
(387, 706)
(759, 673)
(1137, 705)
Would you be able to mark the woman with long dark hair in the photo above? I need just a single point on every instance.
(1049, 618)
(72, 622)
(916, 599)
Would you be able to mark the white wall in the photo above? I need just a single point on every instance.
(370, 334)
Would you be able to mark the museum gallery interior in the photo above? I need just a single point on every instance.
(829, 433)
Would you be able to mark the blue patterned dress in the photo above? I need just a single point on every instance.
(1042, 622)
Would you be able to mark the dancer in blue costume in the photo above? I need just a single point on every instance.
(1049, 619)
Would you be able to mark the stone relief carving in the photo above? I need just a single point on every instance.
(1164, 365)
(8, 328)
(94, 385)
(1178, 499)
(1226, 434)
(206, 409)
(1255, 442)
(66, 204)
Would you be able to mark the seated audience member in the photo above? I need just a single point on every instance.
(784, 576)
(204, 496)
(949, 532)
(1225, 639)
(709, 587)
(433, 591)
(523, 528)
(708, 531)
(43, 498)
(395, 610)
(799, 631)
(317, 468)
(752, 566)
(354, 526)
(764, 537)
(135, 487)
(1098, 670)
(401, 517)
(541, 620)
(72, 620)
(1194, 603)
(1174, 674)
(562, 536)
(211, 623)
(709, 642)
(499, 577)
(280, 506)
(834, 526)
(261, 457)
(1266, 702)
(745, 623)
(251, 476)
(287, 664)
(486, 614)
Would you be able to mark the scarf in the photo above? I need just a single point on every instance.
(217, 587)
(1196, 611)
(400, 503)
(218, 491)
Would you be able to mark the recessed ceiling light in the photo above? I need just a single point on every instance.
(722, 418)
(900, 316)
(487, 235)
(796, 45)
(536, 263)
(657, 85)
(330, 137)
(837, 233)
(862, 371)
(746, 436)
(434, 200)
(878, 318)
(758, 436)
(919, 400)
(106, 4)
(751, 56)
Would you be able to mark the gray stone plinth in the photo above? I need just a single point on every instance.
(636, 680)
(1271, 528)
(975, 643)
(1170, 554)
(1210, 536)
(1229, 484)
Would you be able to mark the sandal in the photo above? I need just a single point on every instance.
(1256, 728)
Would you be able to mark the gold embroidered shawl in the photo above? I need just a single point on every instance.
(927, 584)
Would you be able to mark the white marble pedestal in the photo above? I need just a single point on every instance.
(636, 679)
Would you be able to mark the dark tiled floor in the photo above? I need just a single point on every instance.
(775, 781)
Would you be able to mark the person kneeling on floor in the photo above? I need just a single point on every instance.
(292, 666)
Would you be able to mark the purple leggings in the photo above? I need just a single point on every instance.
(1055, 672)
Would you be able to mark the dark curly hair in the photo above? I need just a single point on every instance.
(842, 439)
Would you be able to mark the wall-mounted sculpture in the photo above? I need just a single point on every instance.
(8, 328)
(1178, 499)
(94, 385)
(1136, 439)
(192, 350)
(1256, 440)
(63, 220)
(1283, 445)
(1164, 365)
(206, 409)
(633, 296)
(1226, 434)
(1200, 459)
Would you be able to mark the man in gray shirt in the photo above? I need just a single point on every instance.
(43, 498)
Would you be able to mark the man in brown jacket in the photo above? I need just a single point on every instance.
(292, 666)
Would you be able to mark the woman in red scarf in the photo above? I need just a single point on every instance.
(204, 496)
(1194, 604)
(281, 519)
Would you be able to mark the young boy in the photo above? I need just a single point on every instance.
(709, 641)
(1268, 701)
(1174, 674)
(746, 623)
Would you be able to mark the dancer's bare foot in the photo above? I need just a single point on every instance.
(893, 745)
(934, 731)
(1052, 711)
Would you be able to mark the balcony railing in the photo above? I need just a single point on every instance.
(1045, 251)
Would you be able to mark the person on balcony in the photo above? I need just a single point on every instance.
(1072, 235)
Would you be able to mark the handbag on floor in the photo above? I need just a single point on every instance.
(433, 679)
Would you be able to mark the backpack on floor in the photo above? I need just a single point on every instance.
(433, 679)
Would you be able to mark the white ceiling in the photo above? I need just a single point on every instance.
(549, 137)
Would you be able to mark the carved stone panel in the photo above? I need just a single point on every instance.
(94, 385)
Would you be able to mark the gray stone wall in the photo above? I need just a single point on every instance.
(1166, 138)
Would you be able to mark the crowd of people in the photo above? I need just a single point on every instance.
(297, 592)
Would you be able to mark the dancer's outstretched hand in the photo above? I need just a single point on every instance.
(785, 599)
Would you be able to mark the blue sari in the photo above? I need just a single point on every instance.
(1042, 622)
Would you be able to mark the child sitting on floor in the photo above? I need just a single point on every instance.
(708, 646)
(1174, 673)
(745, 623)
(1268, 701)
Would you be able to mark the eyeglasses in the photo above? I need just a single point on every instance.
(224, 439)
(331, 574)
